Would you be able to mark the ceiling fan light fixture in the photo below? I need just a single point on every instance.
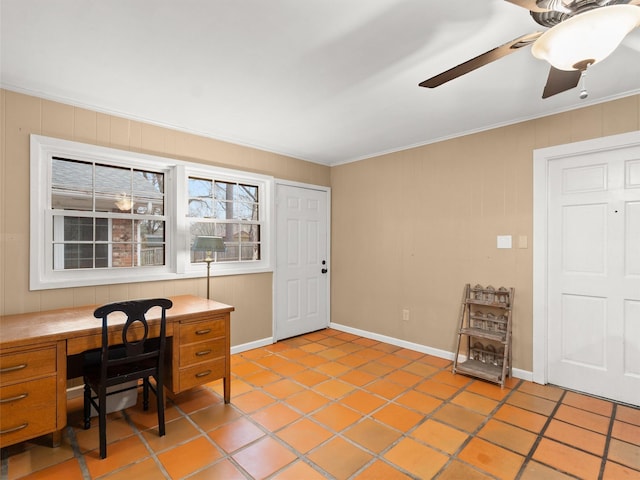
(586, 38)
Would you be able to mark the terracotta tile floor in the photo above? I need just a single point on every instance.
(333, 405)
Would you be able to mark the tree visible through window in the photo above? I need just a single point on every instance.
(228, 210)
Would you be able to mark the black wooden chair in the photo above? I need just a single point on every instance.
(132, 357)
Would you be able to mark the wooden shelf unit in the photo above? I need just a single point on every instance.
(484, 333)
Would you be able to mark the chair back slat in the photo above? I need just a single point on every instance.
(132, 352)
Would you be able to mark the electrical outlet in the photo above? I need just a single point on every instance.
(405, 315)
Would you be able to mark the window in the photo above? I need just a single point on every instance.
(102, 216)
(234, 206)
(106, 216)
(228, 210)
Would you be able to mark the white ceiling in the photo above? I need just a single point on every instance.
(330, 81)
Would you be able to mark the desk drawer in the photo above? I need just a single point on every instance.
(27, 410)
(201, 374)
(20, 366)
(201, 331)
(202, 351)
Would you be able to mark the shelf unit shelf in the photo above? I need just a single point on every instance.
(484, 333)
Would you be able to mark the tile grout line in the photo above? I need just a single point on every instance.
(605, 452)
(379, 456)
(363, 416)
(203, 433)
(144, 441)
(78, 455)
(392, 400)
(472, 435)
(387, 401)
(539, 437)
(344, 367)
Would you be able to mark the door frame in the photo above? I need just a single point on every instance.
(541, 161)
(309, 186)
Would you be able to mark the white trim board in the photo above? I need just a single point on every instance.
(516, 372)
(541, 160)
(263, 342)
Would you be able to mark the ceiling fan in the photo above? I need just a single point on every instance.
(581, 33)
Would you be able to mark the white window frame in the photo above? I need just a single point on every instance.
(265, 207)
(178, 259)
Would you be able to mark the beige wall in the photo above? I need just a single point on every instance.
(22, 115)
(409, 229)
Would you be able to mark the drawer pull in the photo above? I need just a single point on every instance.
(202, 353)
(203, 374)
(14, 368)
(204, 331)
(14, 429)
(14, 399)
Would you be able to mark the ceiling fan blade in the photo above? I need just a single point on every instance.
(559, 81)
(529, 5)
(481, 60)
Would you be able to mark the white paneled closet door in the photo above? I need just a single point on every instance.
(594, 273)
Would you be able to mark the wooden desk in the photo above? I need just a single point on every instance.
(34, 349)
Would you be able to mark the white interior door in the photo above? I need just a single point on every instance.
(594, 273)
(302, 262)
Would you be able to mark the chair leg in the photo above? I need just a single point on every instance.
(145, 393)
(102, 416)
(160, 399)
(87, 406)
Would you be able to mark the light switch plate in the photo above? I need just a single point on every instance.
(504, 241)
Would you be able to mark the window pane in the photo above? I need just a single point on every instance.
(224, 191)
(148, 205)
(122, 255)
(231, 253)
(78, 228)
(113, 189)
(246, 211)
(223, 209)
(72, 185)
(148, 193)
(250, 252)
(78, 256)
(113, 179)
(150, 182)
(102, 229)
(243, 233)
(150, 242)
(113, 202)
(248, 193)
(102, 255)
(200, 198)
(209, 229)
(149, 231)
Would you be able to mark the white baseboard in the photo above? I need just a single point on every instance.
(75, 392)
(517, 373)
(263, 342)
(393, 341)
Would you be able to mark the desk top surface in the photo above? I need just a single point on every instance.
(61, 324)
